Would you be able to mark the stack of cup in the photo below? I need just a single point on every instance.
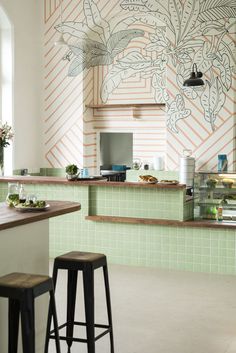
(187, 168)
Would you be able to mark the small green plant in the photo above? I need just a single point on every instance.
(72, 169)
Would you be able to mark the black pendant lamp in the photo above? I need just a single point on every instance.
(195, 78)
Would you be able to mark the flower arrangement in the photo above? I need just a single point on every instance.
(6, 134)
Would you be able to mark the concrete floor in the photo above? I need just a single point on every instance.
(161, 311)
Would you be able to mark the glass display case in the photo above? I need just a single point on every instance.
(215, 195)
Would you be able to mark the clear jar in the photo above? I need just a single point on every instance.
(12, 198)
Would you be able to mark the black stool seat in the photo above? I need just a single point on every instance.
(21, 289)
(86, 262)
(80, 256)
(80, 259)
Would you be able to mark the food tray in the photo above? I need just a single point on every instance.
(21, 208)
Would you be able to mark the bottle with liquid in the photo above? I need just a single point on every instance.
(220, 213)
(213, 213)
(222, 163)
(22, 194)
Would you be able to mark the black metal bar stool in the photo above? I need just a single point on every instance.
(21, 289)
(86, 262)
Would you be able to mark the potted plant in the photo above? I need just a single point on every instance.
(72, 172)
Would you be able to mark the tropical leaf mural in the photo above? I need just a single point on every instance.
(190, 24)
(195, 31)
(217, 9)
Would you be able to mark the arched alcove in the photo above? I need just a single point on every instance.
(6, 81)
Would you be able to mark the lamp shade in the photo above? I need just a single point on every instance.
(60, 42)
(194, 79)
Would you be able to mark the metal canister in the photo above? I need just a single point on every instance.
(186, 168)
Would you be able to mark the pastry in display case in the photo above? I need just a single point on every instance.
(215, 196)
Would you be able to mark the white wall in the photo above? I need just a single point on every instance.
(25, 16)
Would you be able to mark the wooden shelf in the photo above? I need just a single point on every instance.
(163, 222)
(132, 220)
(128, 105)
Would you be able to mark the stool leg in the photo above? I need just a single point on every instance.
(71, 298)
(55, 322)
(27, 322)
(54, 278)
(108, 300)
(88, 280)
(13, 324)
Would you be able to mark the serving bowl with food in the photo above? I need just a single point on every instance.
(211, 183)
(227, 183)
(39, 205)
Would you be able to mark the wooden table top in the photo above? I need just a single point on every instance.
(10, 217)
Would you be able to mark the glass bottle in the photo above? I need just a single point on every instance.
(220, 213)
(22, 194)
(222, 163)
(12, 198)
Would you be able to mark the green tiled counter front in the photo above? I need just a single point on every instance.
(137, 202)
(183, 248)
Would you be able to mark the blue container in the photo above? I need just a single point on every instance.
(118, 168)
(222, 163)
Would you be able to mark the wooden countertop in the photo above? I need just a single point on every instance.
(64, 181)
(10, 217)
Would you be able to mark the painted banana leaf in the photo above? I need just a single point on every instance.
(176, 111)
(176, 12)
(97, 60)
(135, 60)
(212, 101)
(145, 6)
(230, 50)
(158, 83)
(190, 15)
(94, 20)
(203, 58)
(77, 51)
(113, 79)
(90, 46)
(90, 52)
(78, 29)
(156, 20)
(76, 67)
(197, 43)
(120, 23)
(223, 64)
(119, 40)
(217, 9)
